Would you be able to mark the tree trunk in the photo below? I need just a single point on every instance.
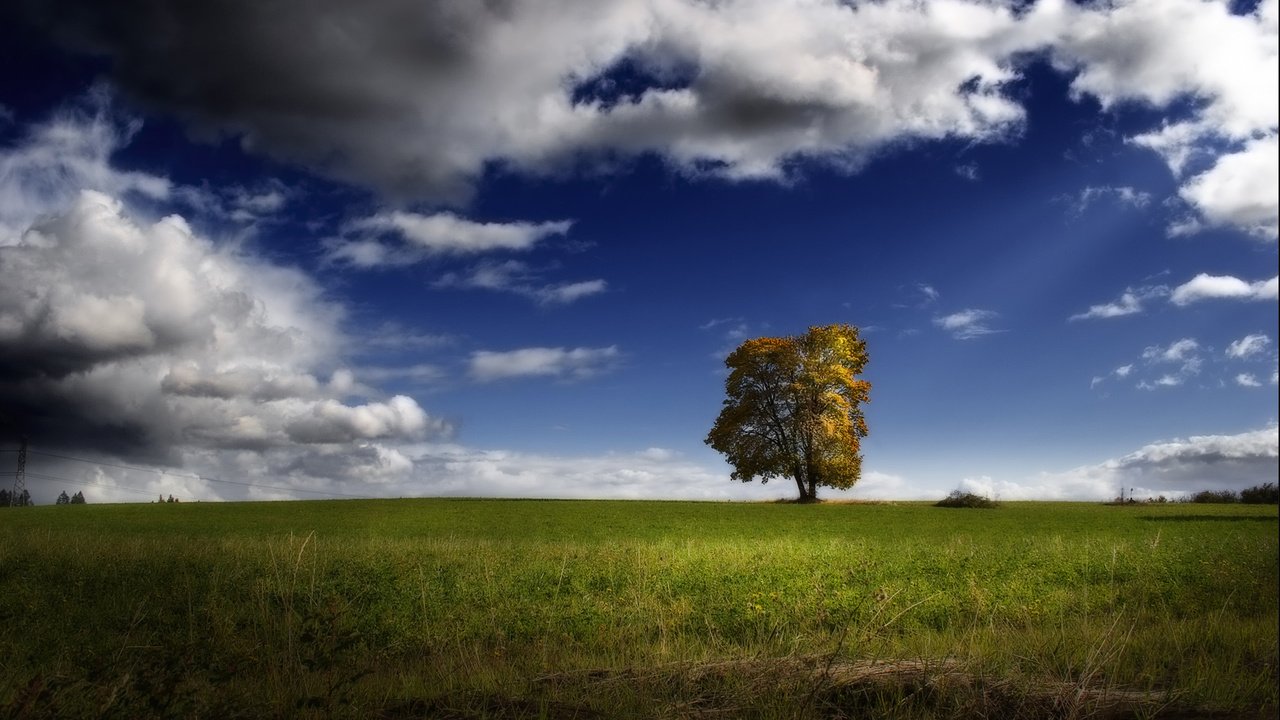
(800, 486)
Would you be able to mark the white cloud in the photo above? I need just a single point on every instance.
(419, 373)
(1159, 52)
(394, 336)
(519, 278)
(1174, 466)
(1171, 468)
(1176, 352)
(150, 341)
(49, 166)
(1121, 372)
(734, 89)
(575, 363)
(1205, 286)
(1120, 195)
(422, 236)
(569, 292)
(1248, 346)
(1183, 353)
(967, 324)
(969, 172)
(929, 292)
(1130, 302)
(330, 421)
(1247, 380)
(1240, 190)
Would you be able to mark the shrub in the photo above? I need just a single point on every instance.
(1215, 496)
(1264, 494)
(958, 499)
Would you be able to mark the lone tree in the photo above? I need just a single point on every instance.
(793, 409)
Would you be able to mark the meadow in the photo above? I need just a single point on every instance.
(591, 609)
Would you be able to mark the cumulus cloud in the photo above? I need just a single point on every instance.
(416, 469)
(519, 278)
(558, 362)
(52, 161)
(1130, 302)
(967, 324)
(147, 340)
(330, 421)
(1248, 346)
(1240, 190)
(1206, 287)
(1169, 467)
(1158, 52)
(1247, 380)
(418, 99)
(1177, 466)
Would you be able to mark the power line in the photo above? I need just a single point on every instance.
(89, 483)
(205, 478)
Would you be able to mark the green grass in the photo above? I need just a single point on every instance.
(494, 608)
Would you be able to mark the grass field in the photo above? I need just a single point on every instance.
(559, 609)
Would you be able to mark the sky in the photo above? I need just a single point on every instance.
(329, 249)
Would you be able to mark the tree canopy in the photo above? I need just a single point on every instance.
(793, 409)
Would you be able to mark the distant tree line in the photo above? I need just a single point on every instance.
(1264, 494)
(23, 499)
(8, 500)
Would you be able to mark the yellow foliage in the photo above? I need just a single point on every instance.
(793, 409)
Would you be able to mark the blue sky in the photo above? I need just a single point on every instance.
(444, 249)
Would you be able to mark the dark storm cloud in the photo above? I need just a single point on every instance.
(301, 81)
(419, 98)
(142, 341)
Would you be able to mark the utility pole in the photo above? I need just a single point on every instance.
(19, 478)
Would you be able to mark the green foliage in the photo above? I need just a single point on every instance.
(959, 499)
(1264, 494)
(483, 608)
(793, 408)
(1214, 497)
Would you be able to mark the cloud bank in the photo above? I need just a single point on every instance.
(1169, 467)
(145, 340)
(421, 100)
